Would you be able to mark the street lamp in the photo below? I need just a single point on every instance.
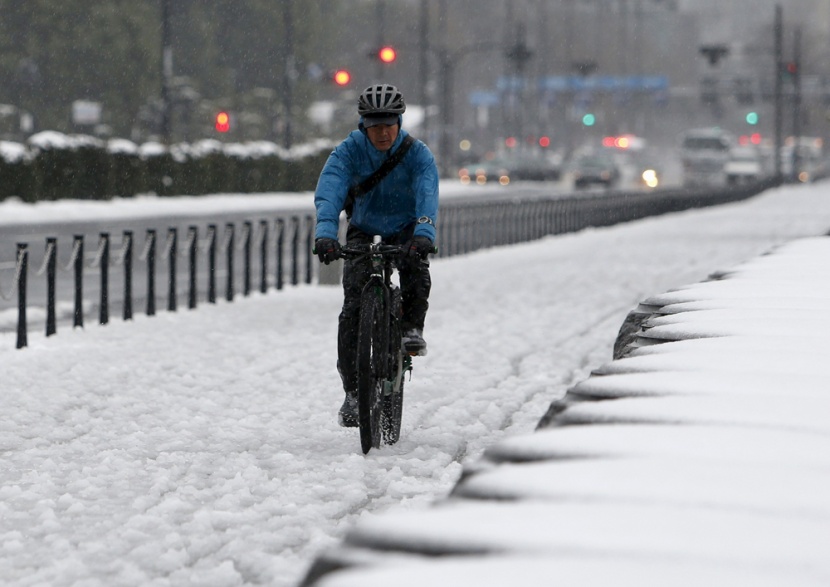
(714, 53)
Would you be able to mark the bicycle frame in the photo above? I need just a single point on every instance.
(380, 381)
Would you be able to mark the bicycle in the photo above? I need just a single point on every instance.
(382, 361)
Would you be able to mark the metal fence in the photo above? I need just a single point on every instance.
(466, 226)
(277, 251)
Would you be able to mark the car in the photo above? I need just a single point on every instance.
(639, 169)
(484, 172)
(514, 166)
(531, 166)
(704, 153)
(744, 165)
(594, 168)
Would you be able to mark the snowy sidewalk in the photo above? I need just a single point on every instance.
(700, 456)
(201, 448)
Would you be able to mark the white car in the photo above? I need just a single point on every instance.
(744, 166)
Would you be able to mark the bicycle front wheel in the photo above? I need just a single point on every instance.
(399, 363)
(372, 360)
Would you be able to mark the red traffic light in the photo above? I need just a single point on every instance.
(387, 54)
(222, 122)
(341, 77)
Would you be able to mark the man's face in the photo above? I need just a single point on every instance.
(382, 135)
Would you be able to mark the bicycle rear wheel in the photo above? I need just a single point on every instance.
(372, 362)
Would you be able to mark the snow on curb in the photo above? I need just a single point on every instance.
(699, 455)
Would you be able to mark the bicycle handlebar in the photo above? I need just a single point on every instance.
(355, 251)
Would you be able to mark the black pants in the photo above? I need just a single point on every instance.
(415, 286)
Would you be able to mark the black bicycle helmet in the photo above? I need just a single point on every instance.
(379, 100)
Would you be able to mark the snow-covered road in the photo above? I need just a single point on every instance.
(201, 448)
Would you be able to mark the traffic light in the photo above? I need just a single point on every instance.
(589, 119)
(752, 118)
(222, 122)
(341, 77)
(387, 54)
(789, 71)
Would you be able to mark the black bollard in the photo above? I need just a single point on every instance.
(295, 250)
(246, 261)
(151, 272)
(104, 310)
(229, 231)
(23, 268)
(51, 256)
(173, 242)
(263, 256)
(211, 293)
(280, 228)
(309, 244)
(78, 270)
(128, 275)
(193, 239)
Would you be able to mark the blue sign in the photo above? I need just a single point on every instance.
(582, 86)
(511, 83)
(484, 98)
(603, 83)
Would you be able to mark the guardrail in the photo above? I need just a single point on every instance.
(284, 238)
(464, 226)
(469, 225)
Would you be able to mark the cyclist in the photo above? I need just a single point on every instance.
(402, 208)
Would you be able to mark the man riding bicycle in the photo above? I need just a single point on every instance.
(396, 199)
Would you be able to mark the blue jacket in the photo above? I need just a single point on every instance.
(409, 192)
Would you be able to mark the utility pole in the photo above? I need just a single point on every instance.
(797, 103)
(423, 67)
(381, 39)
(166, 72)
(519, 54)
(289, 72)
(779, 64)
(445, 64)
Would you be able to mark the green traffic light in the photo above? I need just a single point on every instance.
(752, 118)
(589, 119)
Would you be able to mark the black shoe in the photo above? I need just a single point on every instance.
(347, 417)
(414, 343)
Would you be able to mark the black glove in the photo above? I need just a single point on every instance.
(417, 249)
(327, 250)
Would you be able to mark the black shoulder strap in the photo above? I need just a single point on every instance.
(382, 171)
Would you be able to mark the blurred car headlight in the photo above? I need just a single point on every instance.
(650, 178)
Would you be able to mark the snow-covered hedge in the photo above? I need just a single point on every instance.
(52, 166)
